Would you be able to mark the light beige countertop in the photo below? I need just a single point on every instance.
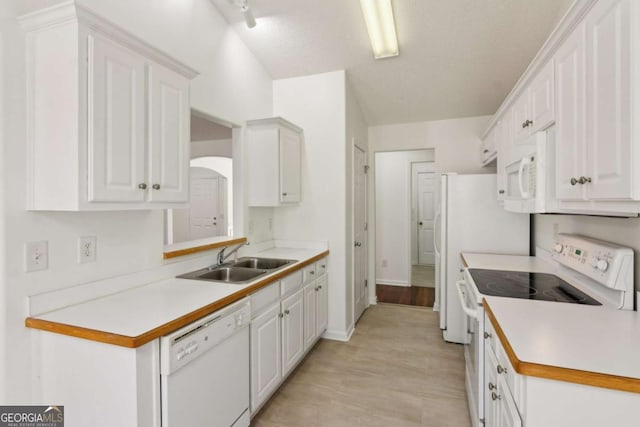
(136, 316)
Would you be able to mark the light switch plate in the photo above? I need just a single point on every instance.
(87, 249)
(36, 256)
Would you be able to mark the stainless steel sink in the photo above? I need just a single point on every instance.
(226, 274)
(263, 263)
(242, 271)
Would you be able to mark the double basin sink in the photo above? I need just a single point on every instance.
(242, 271)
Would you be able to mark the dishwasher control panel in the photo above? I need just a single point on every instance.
(186, 344)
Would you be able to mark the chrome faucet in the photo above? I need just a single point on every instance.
(222, 257)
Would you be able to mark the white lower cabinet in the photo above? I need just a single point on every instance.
(289, 317)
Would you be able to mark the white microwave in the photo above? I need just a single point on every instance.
(529, 175)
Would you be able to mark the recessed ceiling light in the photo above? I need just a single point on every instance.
(378, 15)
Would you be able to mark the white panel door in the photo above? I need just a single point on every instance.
(609, 100)
(570, 114)
(310, 293)
(426, 215)
(204, 208)
(292, 331)
(116, 123)
(322, 307)
(541, 99)
(169, 141)
(290, 158)
(266, 367)
(359, 233)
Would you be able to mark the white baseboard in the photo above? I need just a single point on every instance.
(373, 300)
(334, 335)
(393, 282)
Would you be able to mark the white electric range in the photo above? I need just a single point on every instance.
(579, 270)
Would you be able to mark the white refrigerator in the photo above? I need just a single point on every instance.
(470, 219)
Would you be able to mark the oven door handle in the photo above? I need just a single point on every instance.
(524, 162)
(463, 300)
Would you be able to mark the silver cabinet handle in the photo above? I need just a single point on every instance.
(492, 387)
(320, 287)
(500, 369)
(524, 125)
(323, 266)
(312, 272)
(284, 194)
(573, 181)
(156, 186)
(485, 151)
(280, 315)
(501, 192)
(357, 244)
(495, 396)
(316, 289)
(584, 180)
(142, 186)
(287, 312)
(487, 335)
(529, 122)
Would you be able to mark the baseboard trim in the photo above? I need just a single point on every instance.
(393, 283)
(334, 335)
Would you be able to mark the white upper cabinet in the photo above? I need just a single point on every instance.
(108, 116)
(534, 109)
(273, 158)
(488, 148)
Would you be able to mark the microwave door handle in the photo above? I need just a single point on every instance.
(524, 162)
(463, 300)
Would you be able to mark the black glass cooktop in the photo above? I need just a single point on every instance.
(535, 286)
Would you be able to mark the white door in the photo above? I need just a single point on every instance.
(169, 144)
(570, 114)
(609, 143)
(292, 331)
(290, 152)
(360, 232)
(426, 215)
(208, 204)
(266, 367)
(116, 123)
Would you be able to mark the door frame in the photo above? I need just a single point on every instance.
(365, 243)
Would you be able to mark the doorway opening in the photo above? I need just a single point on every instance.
(405, 196)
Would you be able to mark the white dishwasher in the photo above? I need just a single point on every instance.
(204, 370)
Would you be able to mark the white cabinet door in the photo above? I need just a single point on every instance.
(322, 304)
(609, 154)
(503, 153)
(541, 99)
(508, 415)
(292, 331)
(290, 147)
(570, 113)
(116, 122)
(310, 293)
(520, 117)
(266, 367)
(170, 113)
(490, 388)
(488, 146)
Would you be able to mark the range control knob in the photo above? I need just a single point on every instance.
(602, 265)
(558, 248)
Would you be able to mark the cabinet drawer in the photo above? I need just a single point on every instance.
(309, 273)
(291, 283)
(264, 298)
(321, 267)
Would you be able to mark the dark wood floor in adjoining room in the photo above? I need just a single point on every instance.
(408, 295)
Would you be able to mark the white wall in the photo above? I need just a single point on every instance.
(232, 85)
(317, 104)
(456, 144)
(392, 170)
(214, 147)
(624, 231)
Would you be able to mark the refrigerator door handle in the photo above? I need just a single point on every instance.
(524, 162)
(473, 313)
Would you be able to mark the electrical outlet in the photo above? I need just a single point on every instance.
(36, 256)
(86, 249)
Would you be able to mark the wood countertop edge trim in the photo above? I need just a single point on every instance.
(577, 376)
(164, 329)
(202, 248)
(464, 261)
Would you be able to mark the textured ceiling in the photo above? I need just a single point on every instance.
(458, 58)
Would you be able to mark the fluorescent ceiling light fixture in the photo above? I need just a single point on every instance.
(378, 15)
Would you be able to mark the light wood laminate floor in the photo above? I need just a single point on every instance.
(396, 371)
